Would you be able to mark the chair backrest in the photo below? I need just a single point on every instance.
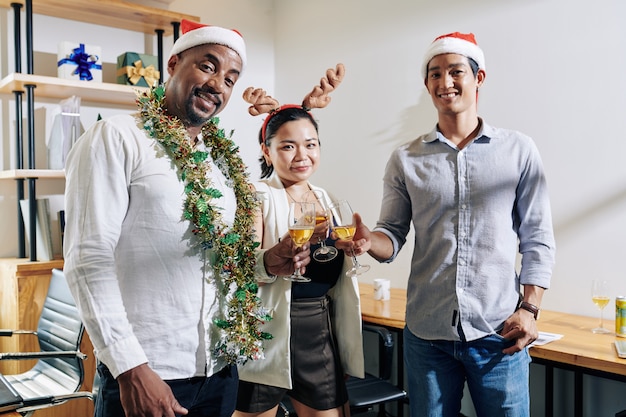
(376, 390)
(60, 329)
(385, 350)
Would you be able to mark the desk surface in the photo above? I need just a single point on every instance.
(578, 346)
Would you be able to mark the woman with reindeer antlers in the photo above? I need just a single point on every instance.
(316, 326)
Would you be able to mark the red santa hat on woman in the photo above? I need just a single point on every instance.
(195, 34)
(454, 43)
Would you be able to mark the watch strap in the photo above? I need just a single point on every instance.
(529, 307)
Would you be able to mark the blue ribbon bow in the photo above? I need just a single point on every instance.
(84, 62)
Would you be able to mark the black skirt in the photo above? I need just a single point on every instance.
(317, 374)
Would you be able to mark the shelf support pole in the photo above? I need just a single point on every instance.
(17, 35)
(32, 195)
(19, 164)
(29, 37)
(19, 129)
(30, 114)
(159, 35)
(176, 30)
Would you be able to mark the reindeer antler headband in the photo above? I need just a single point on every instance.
(318, 98)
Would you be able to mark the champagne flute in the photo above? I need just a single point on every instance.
(600, 297)
(345, 228)
(324, 253)
(301, 227)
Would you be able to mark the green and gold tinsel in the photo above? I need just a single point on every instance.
(234, 247)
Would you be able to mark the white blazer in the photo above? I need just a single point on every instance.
(275, 369)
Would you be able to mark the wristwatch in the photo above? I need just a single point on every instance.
(529, 307)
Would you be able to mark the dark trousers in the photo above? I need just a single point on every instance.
(214, 396)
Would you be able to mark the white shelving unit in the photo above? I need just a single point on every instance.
(59, 88)
(112, 13)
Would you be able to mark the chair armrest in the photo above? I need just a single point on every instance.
(37, 403)
(385, 349)
(41, 355)
(10, 332)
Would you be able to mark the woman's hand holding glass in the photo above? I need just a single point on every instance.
(301, 227)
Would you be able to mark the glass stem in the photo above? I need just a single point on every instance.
(601, 318)
(355, 261)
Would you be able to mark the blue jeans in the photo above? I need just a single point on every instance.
(214, 396)
(437, 371)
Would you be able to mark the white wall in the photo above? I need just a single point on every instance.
(554, 71)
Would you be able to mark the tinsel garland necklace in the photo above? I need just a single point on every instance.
(234, 247)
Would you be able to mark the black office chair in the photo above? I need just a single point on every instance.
(58, 372)
(376, 390)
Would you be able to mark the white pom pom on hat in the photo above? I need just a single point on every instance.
(454, 43)
(195, 34)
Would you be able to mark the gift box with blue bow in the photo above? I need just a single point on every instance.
(140, 70)
(78, 61)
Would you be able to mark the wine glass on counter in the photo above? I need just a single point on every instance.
(600, 297)
(324, 253)
(301, 227)
(344, 228)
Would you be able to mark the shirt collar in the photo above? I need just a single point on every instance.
(485, 131)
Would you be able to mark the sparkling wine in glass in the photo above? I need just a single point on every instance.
(600, 297)
(301, 227)
(344, 228)
(324, 253)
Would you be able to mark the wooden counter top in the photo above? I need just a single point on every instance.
(578, 347)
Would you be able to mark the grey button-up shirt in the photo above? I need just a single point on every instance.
(473, 210)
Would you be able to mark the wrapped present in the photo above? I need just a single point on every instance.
(140, 70)
(79, 62)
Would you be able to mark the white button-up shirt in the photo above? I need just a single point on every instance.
(145, 291)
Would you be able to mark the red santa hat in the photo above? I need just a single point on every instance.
(454, 43)
(195, 34)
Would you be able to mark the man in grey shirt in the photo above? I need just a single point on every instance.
(476, 196)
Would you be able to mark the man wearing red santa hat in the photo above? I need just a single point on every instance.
(159, 234)
(477, 197)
